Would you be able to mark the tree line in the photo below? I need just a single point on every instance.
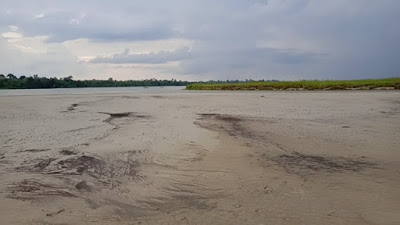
(11, 81)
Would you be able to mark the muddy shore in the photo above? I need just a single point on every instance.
(201, 158)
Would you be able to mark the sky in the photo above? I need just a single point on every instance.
(201, 39)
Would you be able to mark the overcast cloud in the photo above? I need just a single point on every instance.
(146, 58)
(201, 40)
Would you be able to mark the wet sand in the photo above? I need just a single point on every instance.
(201, 158)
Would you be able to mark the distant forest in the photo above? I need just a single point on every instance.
(11, 81)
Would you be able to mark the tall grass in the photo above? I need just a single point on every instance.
(301, 85)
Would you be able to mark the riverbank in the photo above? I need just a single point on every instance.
(373, 84)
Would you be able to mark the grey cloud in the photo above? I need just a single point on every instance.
(319, 38)
(263, 62)
(150, 58)
(292, 56)
(111, 35)
(100, 21)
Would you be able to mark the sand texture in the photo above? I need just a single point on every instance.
(186, 157)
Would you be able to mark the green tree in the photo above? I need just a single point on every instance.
(69, 78)
(11, 76)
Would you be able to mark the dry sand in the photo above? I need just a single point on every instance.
(201, 158)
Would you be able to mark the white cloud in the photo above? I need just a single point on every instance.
(38, 16)
(86, 50)
(145, 58)
(12, 35)
(25, 58)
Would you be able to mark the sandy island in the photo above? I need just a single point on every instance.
(201, 158)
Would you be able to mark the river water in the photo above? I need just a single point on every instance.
(102, 90)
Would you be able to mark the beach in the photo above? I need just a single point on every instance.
(164, 156)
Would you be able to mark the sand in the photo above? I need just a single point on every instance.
(201, 158)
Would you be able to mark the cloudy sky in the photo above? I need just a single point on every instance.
(201, 40)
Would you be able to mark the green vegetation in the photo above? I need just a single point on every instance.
(300, 85)
(12, 82)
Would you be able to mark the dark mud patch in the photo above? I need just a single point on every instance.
(113, 166)
(78, 165)
(2, 155)
(67, 152)
(34, 150)
(35, 165)
(232, 125)
(139, 116)
(113, 116)
(83, 185)
(117, 115)
(130, 97)
(158, 96)
(93, 173)
(222, 117)
(3, 160)
(72, 107)
(116, 165)
(34, 189)
(55, 213)
(81, 129)
(43, 163)
(304, 165)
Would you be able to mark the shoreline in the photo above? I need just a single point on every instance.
(301, 89)
(389, 83)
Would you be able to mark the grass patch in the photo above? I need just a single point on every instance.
(370, 84)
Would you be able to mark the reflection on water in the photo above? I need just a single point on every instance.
(73, 91)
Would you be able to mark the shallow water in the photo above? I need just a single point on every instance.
(102, 90)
